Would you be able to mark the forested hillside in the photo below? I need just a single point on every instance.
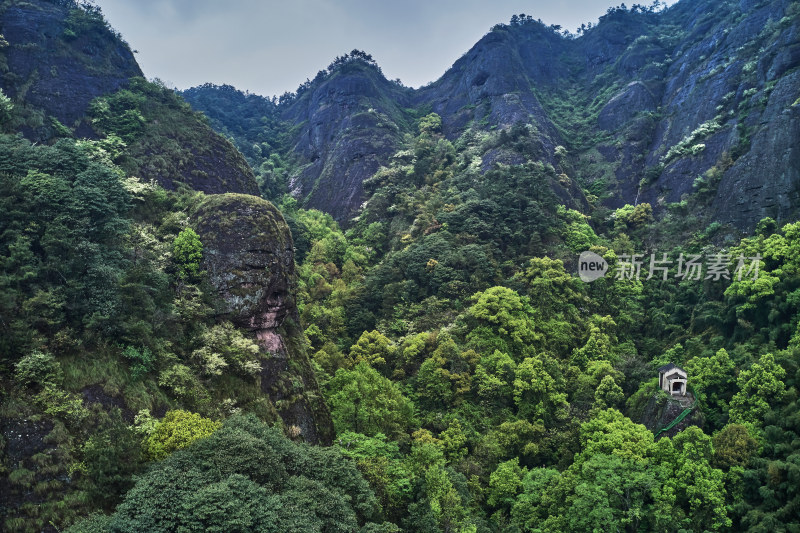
(357, 307)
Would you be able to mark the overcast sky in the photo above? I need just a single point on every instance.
(268, 47)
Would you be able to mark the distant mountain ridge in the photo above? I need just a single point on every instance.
(651, 107)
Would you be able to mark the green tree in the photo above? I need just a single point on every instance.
(713, 378)
(532, 506)
(374, 349)
(454, 441)
(380, 462)
(759, 386)
(187, 250)
(557, 296)
(38, 369)
(225, 346)
(611, 494)
(245, 477)
(434, 383)
(608, 394)
(431, 123)
(505, 483)
(112, 456)
(501, 319)
(734, 445)
(494, 378)
(363, 401)
(611, 433)
(6, 108)
(444, 501)
(601, 344)
(698, 486)
(537, 394)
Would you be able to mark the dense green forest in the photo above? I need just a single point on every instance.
(474, 383)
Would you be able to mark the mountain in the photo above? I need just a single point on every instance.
(69, 73)
(337, 130)
(407, 337)
(652, 106)
(57, 60)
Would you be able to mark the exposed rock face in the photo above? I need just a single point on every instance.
(633, 99)
(494, 80)
(192, 155)
(660, 96)
(51, 66)
(60, 57)
(217, 169)
(723, 74)
(248, 254)
(249, 259)
(21, 439)
(766, 181)
(350, 124)
(661, 410)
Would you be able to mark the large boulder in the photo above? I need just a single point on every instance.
(248, 255)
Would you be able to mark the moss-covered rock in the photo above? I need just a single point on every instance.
(56, 59)
(249, 259)
(169, 143)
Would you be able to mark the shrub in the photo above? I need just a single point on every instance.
(187, 251)
(184, 384)
(223, 346)
(111, 456)
(141, 361)
(63, 405)
(177, 430)
(6, 107)
(431, 123)
(38, 369)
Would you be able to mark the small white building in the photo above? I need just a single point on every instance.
(672, 379)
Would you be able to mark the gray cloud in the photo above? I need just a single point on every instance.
(271, 47)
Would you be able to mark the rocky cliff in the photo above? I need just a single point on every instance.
(62, 65)
(56, 58)
(249, 258)
(720, 115)
(699, 100)
(348, 125)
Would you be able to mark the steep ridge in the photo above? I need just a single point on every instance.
(69, 74)
(492, 83)
(685, 93)
(695, 101)
(57, 59)
(349, 123)
(719, 119)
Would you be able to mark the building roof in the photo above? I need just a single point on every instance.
(666, 368)
(675, 375)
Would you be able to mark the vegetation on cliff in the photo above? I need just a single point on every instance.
(164, 352)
